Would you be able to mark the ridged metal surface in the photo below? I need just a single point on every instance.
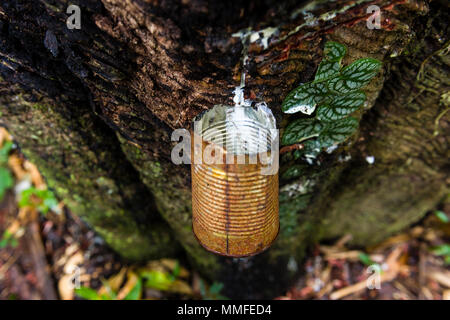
(234, 206)
(235, 210)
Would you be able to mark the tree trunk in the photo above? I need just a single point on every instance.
(94, 109)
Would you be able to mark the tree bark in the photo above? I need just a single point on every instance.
(94, 109)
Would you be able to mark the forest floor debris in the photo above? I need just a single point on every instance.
(411, 265)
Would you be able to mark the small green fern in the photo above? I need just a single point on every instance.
(333, 95)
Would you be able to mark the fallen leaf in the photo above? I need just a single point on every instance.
(114, 282)
(65, 287)
(73, 262)
(132, 281)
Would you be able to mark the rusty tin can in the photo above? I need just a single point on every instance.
(235, 180)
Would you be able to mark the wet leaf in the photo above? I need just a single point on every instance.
(304, 98)
(301, 129)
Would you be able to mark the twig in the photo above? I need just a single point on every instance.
(298, 146)
(8, 265)
(389, 275)
(34, 244)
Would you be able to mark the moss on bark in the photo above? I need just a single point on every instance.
(86, 171)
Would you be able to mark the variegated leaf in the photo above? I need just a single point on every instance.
(353, 99)
(327, 69)
(330, 66)
(301, 129)
(362, 69)
(338, 131)
(304, 98)
(341, 106)
(355, 76)
(334, 50)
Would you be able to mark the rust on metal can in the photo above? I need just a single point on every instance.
(234, 193)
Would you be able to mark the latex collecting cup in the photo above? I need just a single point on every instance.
(235, 179)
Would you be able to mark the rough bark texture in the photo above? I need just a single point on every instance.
(94, 109)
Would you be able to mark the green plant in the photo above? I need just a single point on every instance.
(6, 178)
(441, 216)
(328, 101)
(8, 239)
(6, 181)
(367, 260)
(41, 200)
(90, 294)
(443, 250)
(213, 292)
(163, 275)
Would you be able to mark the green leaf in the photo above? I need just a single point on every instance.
(441, 216)
(334, 50)
(297, 154)
(25, 197)
(330, 66)
(4, 152)
(442, 250)
(176, 270)
(135, 293)
(6, 181)
(355, 76)
(338, 131)
(365, 259)
(447, 260)
(301, 129)
(312, 147)
(216, 287)
(157, 279)
(354, 99)
(294, 171)
(3, 243)
(87, 293)
(341, 106)
(327, 69)
(304, 98)
(49, 201)
(46, 199)
(362, 69)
